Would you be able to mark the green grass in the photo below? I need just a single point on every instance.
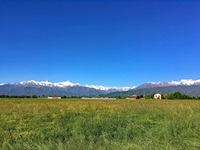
(77, 124)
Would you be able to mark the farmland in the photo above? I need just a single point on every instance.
(99, 124)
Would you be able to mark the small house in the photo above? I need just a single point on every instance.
(157, 96)
(133, 96)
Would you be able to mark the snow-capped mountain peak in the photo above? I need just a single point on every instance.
(71, 89)
(186, 82)
(99, 87)
(65, 84)
(47, 83)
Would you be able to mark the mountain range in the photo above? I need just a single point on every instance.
(47, 88)
(185, 82)
(189, 87)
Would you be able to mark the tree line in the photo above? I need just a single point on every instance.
(171, 96)
(32, 96)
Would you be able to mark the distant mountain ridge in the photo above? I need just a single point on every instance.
(192, 90)
(69, 84)
(66, 88)
(186, 82)
(186, 86)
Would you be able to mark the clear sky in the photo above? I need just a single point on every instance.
(104, 42)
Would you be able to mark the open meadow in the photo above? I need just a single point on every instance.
(29, 124)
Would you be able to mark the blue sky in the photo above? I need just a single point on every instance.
(105, 42)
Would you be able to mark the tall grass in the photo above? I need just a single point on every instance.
(77, 124)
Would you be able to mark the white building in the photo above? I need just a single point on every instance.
(157, 96)
(53, 97)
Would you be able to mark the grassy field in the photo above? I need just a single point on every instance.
(43, 124)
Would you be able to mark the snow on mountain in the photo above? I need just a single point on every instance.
(65, 84)
(186, 82)
(97, 87)
(181, 82)
(69, 84)
(109, 88)
(46, 83)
